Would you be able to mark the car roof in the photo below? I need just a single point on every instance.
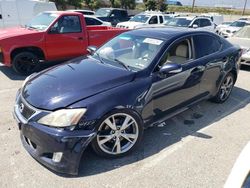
(166, 32)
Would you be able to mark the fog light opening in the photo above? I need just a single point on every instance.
(57, 157)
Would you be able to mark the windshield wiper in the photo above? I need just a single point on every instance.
(123, 64)
(99, 57)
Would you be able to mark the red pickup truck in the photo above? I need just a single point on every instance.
(50, 36)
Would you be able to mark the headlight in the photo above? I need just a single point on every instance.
(63, 118)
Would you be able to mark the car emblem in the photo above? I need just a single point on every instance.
(21, 107)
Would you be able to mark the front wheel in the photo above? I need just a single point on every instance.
(25, 63)
(118, 134)
(225, 89)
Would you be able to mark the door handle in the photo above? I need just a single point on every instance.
(80, 38)
(198, 69)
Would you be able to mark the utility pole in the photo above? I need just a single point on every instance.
(193, 6)
(244, 9)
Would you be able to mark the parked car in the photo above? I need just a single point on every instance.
(112, 15)
(147, 18)
(50, 36)
(232, 28)
(136, 80)
(242, 38)
(92, 20)
(84, 12)
(19, 12)
(216, 18)
(222, 25)
(196, 22)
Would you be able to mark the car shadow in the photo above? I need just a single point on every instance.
(11, 74)
(174, 130)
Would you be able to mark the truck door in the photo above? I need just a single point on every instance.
(65, 39)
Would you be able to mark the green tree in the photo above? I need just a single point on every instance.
(150, 4)
(161, 5)
(60, 3)
(75, 3)
(92, 4)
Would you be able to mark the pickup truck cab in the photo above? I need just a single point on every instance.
(50, 36)
(112, 15)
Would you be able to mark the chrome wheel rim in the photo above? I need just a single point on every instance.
(226, 88)
(117, 134)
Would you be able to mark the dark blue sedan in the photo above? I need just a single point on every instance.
(136, 80)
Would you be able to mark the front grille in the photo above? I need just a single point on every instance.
(24, 109)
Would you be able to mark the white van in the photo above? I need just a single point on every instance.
(20, 12)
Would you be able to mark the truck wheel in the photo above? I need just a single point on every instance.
(25, 63)
(119, 133)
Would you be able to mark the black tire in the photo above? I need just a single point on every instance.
(219, 98)
(25, 63)
(99, 149)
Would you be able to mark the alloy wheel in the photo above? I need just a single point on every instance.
(226, 87)
(117, 134)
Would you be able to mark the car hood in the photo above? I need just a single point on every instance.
(63, 85)
(130, 24)
(232, 29)
(16, 31)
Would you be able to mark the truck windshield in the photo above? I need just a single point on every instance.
(130, 51)
(42, 21)
(140, 18)
(178, 22)
(102, 12)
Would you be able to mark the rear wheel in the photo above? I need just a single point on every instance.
(225, 89)
(25, 63)
(118, 134)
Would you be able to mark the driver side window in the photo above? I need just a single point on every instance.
(67, 24)
(179, 53)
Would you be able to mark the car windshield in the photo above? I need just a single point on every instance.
(238, 24)
(42, 21)
(102, 12)
(131, 51)
(140, 18)
(178, 22)
(243, 33)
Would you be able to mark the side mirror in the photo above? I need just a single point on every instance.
(91, 49)
(171, 68)
(195, 26)
(54, 30)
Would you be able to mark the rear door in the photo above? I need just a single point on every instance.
(65, 39)
(207, 48)
(206, 24)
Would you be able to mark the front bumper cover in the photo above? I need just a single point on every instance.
(42, 142)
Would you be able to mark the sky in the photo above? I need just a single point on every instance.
(212, 3)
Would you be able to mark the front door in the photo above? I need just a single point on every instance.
(176, 90)
(65, 39)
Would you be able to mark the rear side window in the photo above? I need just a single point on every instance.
(92, 21)
(206, 45)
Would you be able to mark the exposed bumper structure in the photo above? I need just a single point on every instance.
(59, 150)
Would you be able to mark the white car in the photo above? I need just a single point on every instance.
(221, 26)
(232, 28)
(144, 19)
(242, 39)
(92, 20)
(196, 22)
